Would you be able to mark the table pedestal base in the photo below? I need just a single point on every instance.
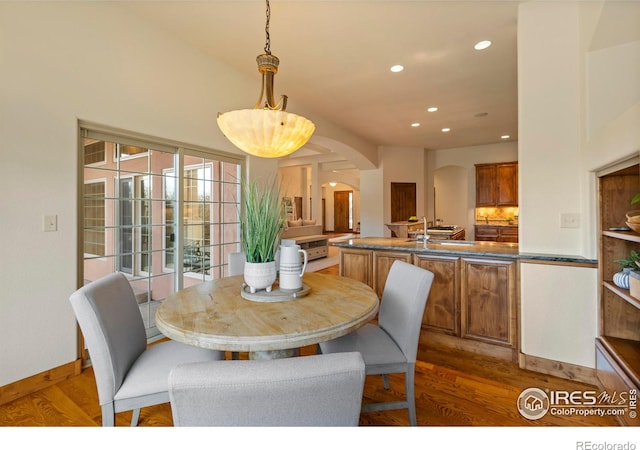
(274, 354)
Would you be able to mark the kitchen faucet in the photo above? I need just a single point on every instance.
(424, 229)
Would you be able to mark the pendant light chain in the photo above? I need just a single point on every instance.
(267, 45)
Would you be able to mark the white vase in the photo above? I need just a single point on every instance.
(260, 275)
(621, 279)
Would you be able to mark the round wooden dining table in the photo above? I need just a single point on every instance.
(216, 315)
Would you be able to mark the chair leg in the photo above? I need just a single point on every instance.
(135, 417)
(108, 415)
(409, 386)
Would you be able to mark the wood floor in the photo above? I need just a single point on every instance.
(452, 388)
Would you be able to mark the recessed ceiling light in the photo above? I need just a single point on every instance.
(415, 124)
(505, 136)
(446, 130)
(397, 68)
(432, 109)
(482, 45)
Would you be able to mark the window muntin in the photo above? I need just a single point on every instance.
(94, 218)
(141, 229)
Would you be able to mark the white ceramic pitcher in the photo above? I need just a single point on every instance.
(291, 268)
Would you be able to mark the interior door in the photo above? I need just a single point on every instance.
(342, 211)
(403, 201)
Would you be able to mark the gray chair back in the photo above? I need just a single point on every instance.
(112, 325)
(403, 301)
(236, 263)
(317, 390)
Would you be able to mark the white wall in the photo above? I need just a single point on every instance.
(549, 127)
(558, 317)
(401, 165)
(465, 159)
(451, 198)
(371, 206)
(61, 62)
(561, 139)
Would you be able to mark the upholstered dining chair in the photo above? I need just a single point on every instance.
(391, 346)
(315, 390)
(129, 375)
(236, 263)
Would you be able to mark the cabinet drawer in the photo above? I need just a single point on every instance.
(508, 234)
(317, 252)
(486, 233)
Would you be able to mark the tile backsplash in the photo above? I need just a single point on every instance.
(497, 216)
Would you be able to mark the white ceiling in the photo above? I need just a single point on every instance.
(335, 58)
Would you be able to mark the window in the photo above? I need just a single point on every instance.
(134, 222)
(93, 228)
(210, 217)
(94, 152)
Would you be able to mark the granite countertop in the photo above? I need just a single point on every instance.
(496, 224)
(460, 248)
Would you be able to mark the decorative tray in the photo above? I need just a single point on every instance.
(276, 295)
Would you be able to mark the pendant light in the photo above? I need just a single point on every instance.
(267, 130)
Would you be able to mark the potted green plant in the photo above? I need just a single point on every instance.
(628, 265)
(262, 219)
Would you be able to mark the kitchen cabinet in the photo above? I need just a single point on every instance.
(508, 233)
(382, 262)
(496, 233)
(487, 233)
(472, 302)
(488, 306)
(497, 184)
(357, 264)
(618, 341)
(442, 313)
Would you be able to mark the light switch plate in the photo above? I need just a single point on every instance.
(569, 220)
(50, 222)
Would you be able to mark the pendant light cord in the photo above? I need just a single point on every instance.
(267, 45)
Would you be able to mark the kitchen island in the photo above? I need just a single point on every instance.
(474, 300)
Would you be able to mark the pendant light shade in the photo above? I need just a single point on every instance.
(268, 133)
(267, 130)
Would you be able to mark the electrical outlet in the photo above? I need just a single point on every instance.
(50, 222)
(569, 220)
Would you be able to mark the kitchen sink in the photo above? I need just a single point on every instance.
(443, 228)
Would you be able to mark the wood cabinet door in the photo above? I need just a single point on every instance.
(382, 262)
(486, 233)
(507, 184)
(442, 313)
(486, 185)
(508, 234)
(488, 301)
(357, 264)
